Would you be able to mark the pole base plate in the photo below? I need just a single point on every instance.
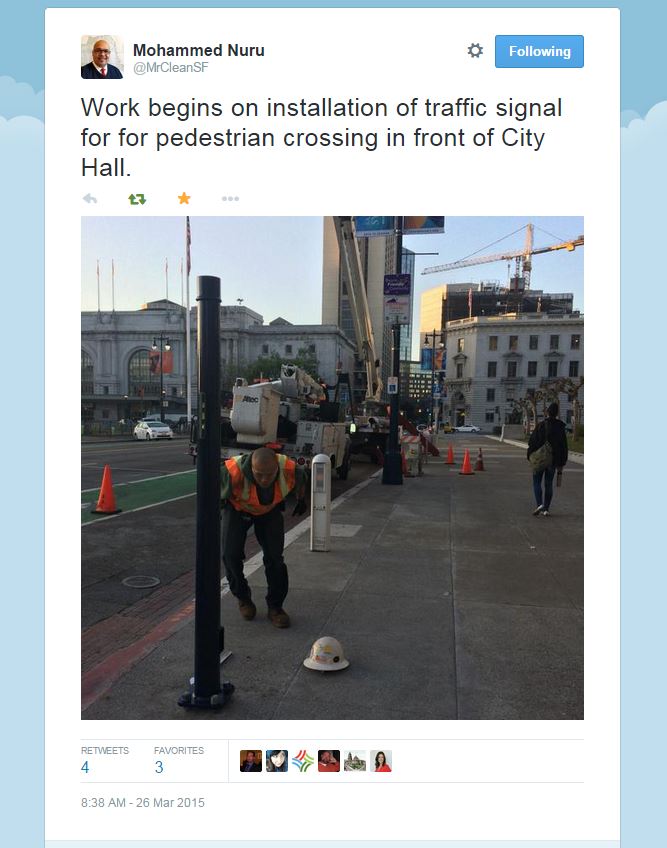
(211, 702)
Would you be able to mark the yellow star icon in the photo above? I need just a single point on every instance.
(184, 198)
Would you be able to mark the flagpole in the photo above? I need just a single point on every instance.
(98, 286)
(188, 366)
(182, 304)
(113, 286)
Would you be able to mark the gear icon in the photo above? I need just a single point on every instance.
(475, 51)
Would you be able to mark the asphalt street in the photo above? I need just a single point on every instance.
(132, 461)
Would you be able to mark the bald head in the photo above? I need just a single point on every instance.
(101, 53)
(264, 464)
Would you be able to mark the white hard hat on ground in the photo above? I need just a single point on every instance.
(326, 655)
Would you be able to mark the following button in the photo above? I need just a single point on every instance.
(539, 51)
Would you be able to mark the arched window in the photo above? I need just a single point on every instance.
(87, 379)
(140, 381)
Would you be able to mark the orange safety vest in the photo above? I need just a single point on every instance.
(244, 493)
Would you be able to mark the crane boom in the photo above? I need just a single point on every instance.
(361, 315)
(498, 257)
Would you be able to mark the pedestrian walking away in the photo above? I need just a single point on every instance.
(547, 452)
(254, 489)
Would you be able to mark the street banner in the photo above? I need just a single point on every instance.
(367, 227)
(427, 358)
(420, 224)
(155, 366)
(439, 359)
(397, 298)
(396, 284)
(397, 309)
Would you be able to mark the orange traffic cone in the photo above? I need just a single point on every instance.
(479, 465)
(466, 468)
(450, 455)
(106, 503)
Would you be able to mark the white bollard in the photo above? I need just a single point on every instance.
(320, 503)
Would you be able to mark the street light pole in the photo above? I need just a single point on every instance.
(392, 472)
(164, 344)
(432, 404)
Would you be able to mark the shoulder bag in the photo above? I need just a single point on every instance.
(542, 458)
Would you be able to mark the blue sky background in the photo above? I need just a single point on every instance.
(644, 577)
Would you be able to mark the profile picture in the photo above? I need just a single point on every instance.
(381, 760)
(328, 760)
(101, 57)
(355, 761)
(250, 760)
(276, 760)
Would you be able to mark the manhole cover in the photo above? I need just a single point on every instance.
(140, 582)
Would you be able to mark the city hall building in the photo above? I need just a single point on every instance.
(119, 379)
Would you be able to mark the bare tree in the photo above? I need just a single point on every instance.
(571, 387)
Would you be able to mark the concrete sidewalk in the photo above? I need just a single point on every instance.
(452, 602)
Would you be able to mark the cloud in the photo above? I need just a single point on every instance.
(19, 98)
(644, 188)
(628, 115)
(643, 142)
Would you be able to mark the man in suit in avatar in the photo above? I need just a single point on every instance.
(100, 68)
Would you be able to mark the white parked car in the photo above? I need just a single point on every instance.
(149, 430)
(467, 428)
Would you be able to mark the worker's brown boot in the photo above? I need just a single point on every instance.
(247, 609)
(278, 617)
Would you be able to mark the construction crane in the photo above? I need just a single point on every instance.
(523, 259)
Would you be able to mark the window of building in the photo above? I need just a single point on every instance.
(553, 369)
(553, 342)
(265, 348)
(514, 342)
(311, 348)
(490, 395)
(490, 417)
(575, 341)
(459, 370)
(459, 345)
(288, 348)
(174, 391)
(574, 368)
(533, 342)
(511, 369)
(105, 413)
(491, 369)
(105, 390)
(86, 373)
(141, 383)
(493, 342)
(532, 369)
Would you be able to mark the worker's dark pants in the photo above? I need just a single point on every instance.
(270, 533)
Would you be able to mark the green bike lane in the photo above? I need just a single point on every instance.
(141, 494)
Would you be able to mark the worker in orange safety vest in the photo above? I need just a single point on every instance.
(254, 489)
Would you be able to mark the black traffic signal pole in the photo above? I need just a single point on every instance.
(392, 471)
(207, 692)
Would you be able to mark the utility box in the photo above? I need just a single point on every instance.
(320, 503)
